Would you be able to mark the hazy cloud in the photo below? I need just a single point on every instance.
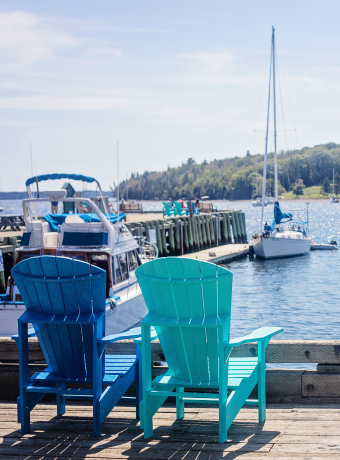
(26, 38)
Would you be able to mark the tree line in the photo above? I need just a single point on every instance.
(236, 178)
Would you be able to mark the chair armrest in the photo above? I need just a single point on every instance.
(30, 332)
(153, 336)
(261, 334)
(131, 334)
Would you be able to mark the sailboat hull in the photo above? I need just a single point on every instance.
(273, 247)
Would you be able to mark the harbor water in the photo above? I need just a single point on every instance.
(300, 294)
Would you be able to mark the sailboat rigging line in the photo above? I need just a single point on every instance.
(262, 87)
(266, 145)
(275, 135)
(287, 92)
(259, 105)
(282, 111)
(117, 191)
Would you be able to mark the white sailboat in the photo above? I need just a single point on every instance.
(278, 239)
(334, 199)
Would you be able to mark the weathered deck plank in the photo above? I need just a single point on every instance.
(290, 432)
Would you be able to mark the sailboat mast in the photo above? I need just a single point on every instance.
(266, 148)
(333, 181)
(257, 188)
(274, 100)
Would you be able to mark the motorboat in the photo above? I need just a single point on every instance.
(96, 237)
(284, 237)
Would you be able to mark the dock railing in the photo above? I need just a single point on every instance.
(301, 384)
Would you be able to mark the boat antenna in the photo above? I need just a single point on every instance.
(266, 147)
(117, 194)
(32, 169)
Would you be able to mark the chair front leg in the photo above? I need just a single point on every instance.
(61, 400)
(97, 383)
(23, 401)
(147, 382)
(261, 381)
(179, 404)
(139, 383)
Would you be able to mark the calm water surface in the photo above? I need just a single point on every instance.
(300, 294)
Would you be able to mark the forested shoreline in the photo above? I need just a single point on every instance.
(235, 178)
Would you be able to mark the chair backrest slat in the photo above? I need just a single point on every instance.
(188, 289)
(68, 349)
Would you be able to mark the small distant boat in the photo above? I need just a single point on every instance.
(258, 201)
(1, 208)
(334, 199)
(324, 247)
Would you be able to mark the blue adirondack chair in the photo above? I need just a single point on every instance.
(65, 302)
(189, 304)
(194, 209)
(179, 211)
(167, 211)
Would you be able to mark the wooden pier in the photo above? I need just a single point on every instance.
(221, 254)
(290, 432)
(185, 235)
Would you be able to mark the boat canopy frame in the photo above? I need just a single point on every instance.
(45, 177)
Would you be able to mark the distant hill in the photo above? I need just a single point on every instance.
(235, 178)
(22, 195)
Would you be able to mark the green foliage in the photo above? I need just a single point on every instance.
(326, 185)
(298, 187)
(336, 183)
(234, 178)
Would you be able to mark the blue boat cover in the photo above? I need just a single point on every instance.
(32, 180)
(57, 219)
(279, 215)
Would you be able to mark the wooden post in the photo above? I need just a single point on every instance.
(191, 241)
(204, 233)
(165, 249)
(219, 232)
(212, 230)
(229, 228)
(198, 220)
(177, 239)
(234, 227)
(243, 215)
(171, 238)
(240, 226)
(191, 212)
(207, 227)
(146, 226)
(197, 239)
(185, 233)
(225, 230)
(159, 239)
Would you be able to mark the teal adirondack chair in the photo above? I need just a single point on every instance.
(65, 302)
(179, 211)
(189, 304)
(167, 211)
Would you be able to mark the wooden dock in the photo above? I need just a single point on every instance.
(290, 432)
(220, 254)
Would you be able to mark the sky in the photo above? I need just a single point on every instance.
(167, 80)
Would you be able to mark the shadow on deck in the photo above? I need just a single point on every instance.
(289, 432)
